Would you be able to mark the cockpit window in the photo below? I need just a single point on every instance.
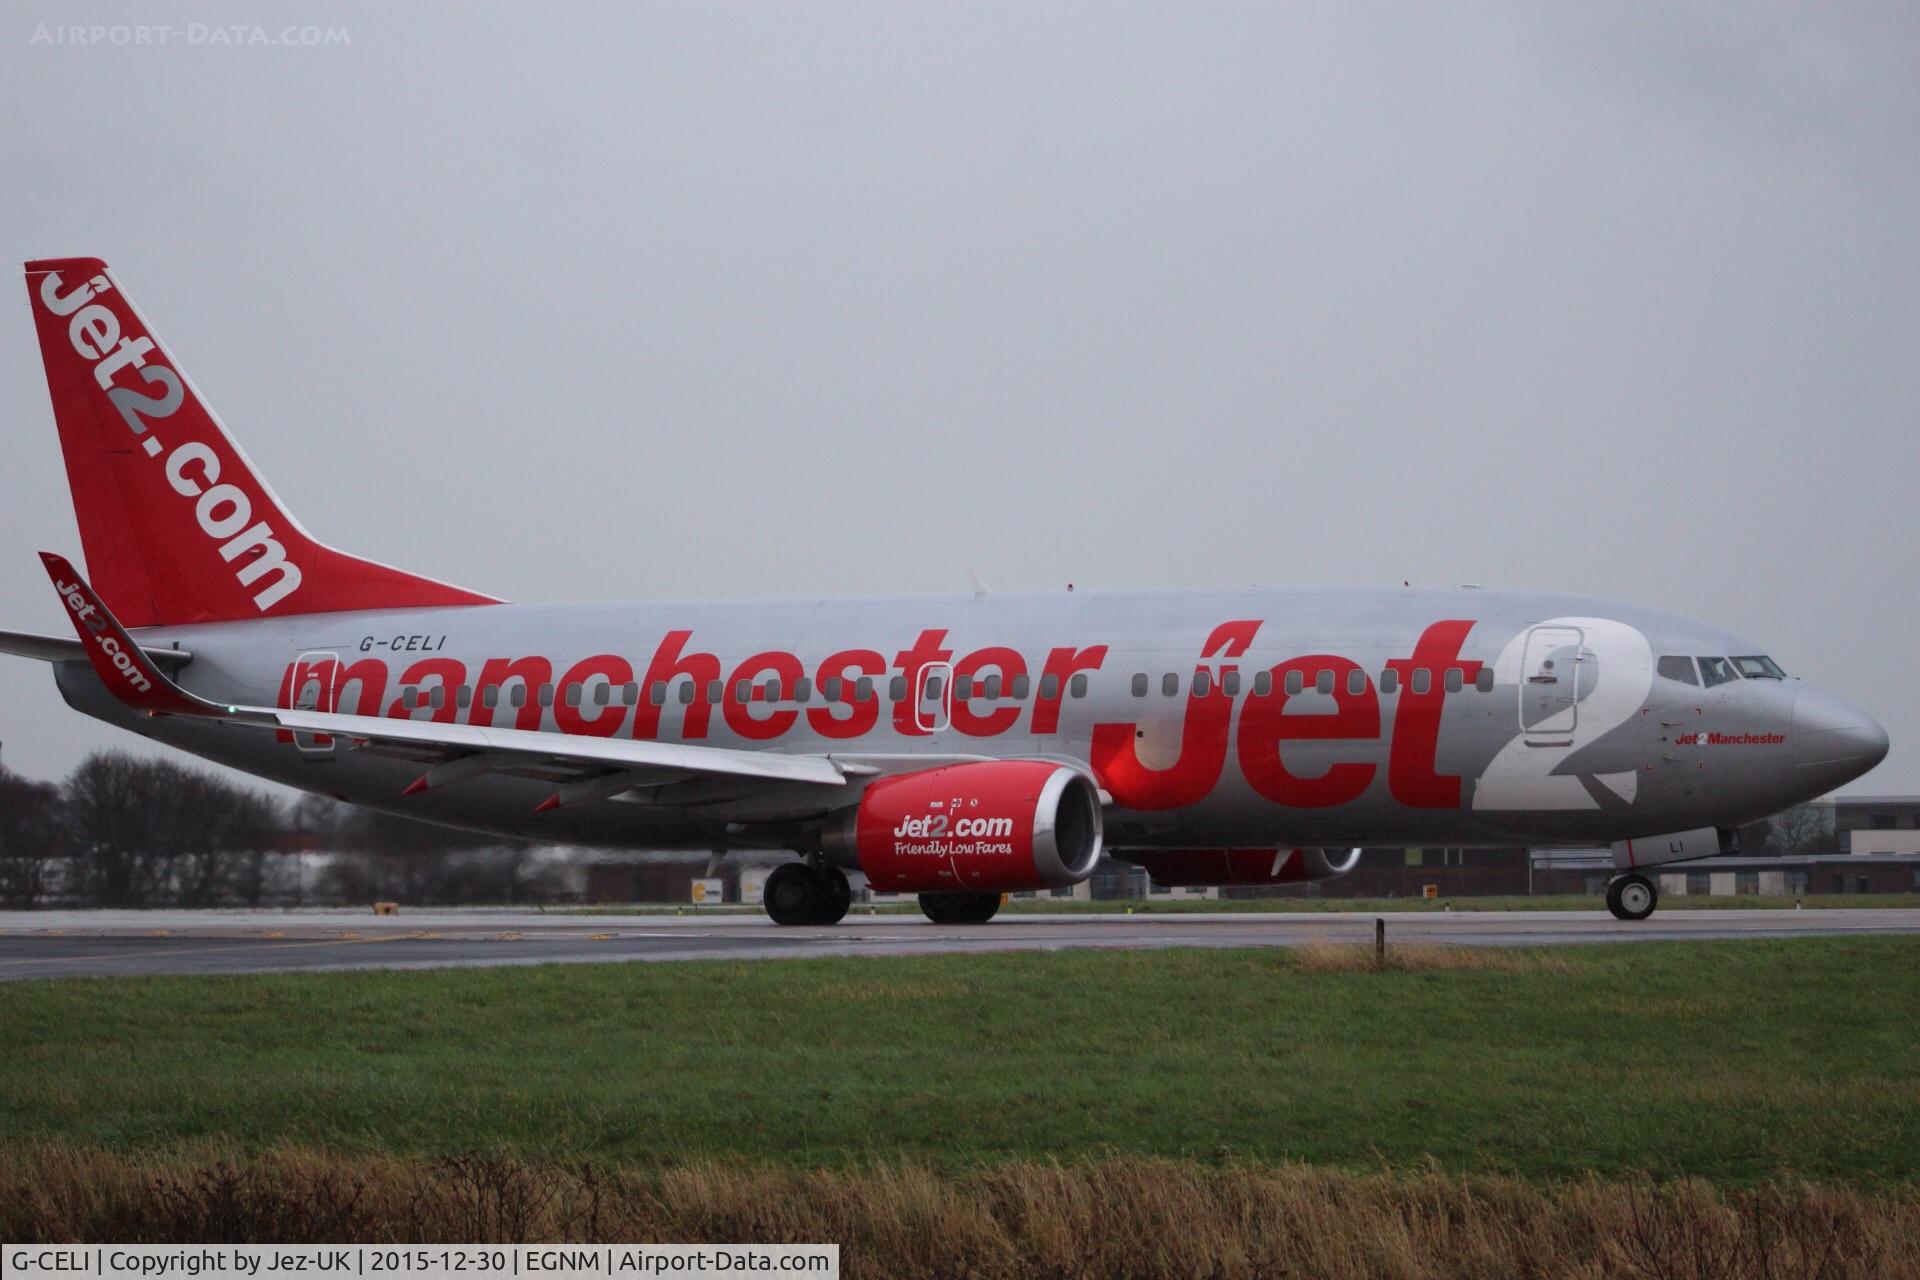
(1715, 671)
(1757, 668)
(1678, 668)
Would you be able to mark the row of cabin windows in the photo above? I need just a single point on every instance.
(832, 689)
(1453, 679)
(986, 688)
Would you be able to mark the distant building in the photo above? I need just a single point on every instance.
(1877, 824)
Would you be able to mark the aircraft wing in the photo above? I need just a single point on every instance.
(589, 768)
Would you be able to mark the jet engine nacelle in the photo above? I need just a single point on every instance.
(1001, 826)
(1178, 867)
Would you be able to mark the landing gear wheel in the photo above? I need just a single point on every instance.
(1632, 897)
(959, 908)
(794, 894)
(835, 897)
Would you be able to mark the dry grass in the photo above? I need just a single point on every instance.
(1360, 957)
(1124, 1217)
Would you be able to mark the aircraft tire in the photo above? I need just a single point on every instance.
(835, 897)
(795, 895)
(959, 908)
(1632, 897)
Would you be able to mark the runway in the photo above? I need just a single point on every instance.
(58, 944)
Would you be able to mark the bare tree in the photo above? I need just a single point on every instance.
(150, 830)
(109, 815)
(33, 836)
(1805, 828)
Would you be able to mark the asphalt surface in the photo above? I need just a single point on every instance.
(50, 944)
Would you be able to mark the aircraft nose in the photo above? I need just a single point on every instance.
(1834, 741)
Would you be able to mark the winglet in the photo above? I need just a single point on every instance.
(120, 662)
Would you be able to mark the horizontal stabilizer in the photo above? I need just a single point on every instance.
(24, 644)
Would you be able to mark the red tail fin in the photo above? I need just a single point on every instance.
(176, 525)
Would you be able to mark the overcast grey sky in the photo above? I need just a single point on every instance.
(588, 302)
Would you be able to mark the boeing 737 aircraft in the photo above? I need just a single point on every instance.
(958, 747)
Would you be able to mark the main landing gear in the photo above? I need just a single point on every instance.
(1632, 897)
(959, 908)
(799, 893)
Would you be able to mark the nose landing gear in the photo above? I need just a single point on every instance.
(1632, 897)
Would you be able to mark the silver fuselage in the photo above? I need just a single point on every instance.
(1578, 740)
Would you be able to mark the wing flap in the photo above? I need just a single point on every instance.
(532, 748)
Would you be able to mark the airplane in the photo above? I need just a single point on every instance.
(957, 747)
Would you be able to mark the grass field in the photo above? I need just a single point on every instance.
(1732, 1061)
(1122, 1218)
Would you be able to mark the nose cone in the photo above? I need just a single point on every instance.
(1834, 741)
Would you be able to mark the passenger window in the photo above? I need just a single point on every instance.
(1422, 680)
(1170, 685)
(1453, 680)
(518, 696)
(1078, 686)
(490, 696)
(1356, 682)
(1020, 686)
(1678, 667)
(1139, 684)
(770, 691)
(546, 695)
(1483, 680)
(931, 689)
(463, 697)
(630, 692)
(1202, 684)
(897, 689)
(831, 688)
(438, 698)
(1262, 683)
(1715, 671)
(657, 693)
(1295, 682)
(714, 690)
(601, 693)
(407, 702)
(990, 687)
(1231, 683)
(963, 686)
(863, 689)
(687, 690)
(743, 691)
(1323, 681)
(572, 693)
(803, 690)
(1389, 681)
